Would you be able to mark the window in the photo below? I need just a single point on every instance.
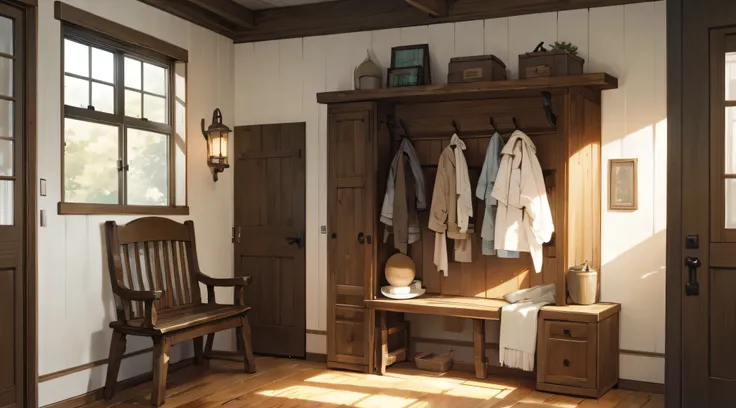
(123, 132)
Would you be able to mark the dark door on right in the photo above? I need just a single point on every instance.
(269, 234)
(702, 106)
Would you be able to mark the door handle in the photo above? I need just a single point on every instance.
(692, 287)
(298, 240)
(361, 238)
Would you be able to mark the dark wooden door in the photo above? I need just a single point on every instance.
(269, 234)
(702, 223)
(12, 206)
(351, 219)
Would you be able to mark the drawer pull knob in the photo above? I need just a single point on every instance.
(566, 332)
(566, 362)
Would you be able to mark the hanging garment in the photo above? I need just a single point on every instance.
(523, 219)
(398, 211)
(518, 337)
(483, 191)
(462, 179)
(443, 214)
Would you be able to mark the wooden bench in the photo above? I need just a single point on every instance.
(155, 278)
(477, 309)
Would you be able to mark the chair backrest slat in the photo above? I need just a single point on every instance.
(153, 253)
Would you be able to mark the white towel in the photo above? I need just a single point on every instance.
(518, 340)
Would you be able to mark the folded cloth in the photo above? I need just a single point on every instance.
(518, 340)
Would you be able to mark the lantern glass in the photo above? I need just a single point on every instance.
(218, 146)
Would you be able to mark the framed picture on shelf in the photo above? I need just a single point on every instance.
(412, 56)
(622, 185)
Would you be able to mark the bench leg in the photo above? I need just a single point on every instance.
(244, 337)
(117, 349)
(384, 342)
(208, 345)
(479, 349)
(198, 350)
(161, 350)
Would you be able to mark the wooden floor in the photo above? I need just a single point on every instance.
(286, 383)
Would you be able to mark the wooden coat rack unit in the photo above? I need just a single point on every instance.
(360, 149)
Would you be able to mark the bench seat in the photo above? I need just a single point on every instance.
(182, 318)
(439, 305)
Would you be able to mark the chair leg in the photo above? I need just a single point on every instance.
(245, 341)
(161, 349)
(117, 349)
(198, 351)
(383, 362)
(208, 345)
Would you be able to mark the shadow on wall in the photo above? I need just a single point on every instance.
(639, 276)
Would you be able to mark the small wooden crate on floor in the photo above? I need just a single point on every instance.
(577, 349)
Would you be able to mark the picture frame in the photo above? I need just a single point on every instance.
(623, 194)
(408, 56)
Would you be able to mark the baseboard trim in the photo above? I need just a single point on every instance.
(83, 367)
(316, 357)
(641, 353)
(643, 386)
(98, 394)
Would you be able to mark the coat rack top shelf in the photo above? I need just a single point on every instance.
(474, 90)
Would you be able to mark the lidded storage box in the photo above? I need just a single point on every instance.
(549, 63)
(476, 68)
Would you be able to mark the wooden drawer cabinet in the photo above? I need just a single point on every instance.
(578, 349)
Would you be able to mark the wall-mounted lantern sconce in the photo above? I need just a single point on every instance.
(216, 136)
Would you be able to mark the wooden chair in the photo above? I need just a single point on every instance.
(155, 278)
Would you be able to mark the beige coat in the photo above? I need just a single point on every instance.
(523, 219)
(443, 215)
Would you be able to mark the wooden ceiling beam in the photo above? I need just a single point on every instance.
(229, 10)
(345, 16)
(435, 8)
(197, 15)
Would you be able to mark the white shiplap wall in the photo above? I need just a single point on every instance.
(276, 81)
(75, 303)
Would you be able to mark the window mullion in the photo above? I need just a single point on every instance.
(120, 111)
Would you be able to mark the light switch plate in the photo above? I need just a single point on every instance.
(42, 187)
(42, 217)
(323, 229)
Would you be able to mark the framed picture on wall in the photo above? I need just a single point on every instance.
(622, 185)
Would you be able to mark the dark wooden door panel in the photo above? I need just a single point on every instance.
(12, 207)
(703, 130)
(270, 221)
(351, 213)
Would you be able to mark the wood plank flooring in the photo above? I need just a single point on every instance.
(283, 383)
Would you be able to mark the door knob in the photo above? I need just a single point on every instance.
(361, 238)
(692, 287)
(298, 240)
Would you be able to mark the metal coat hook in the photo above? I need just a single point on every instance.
(516, 125)
(493, 123)
(455, 125)
(405, 128)
(547, 104)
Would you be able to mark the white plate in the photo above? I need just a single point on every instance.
(411, 295)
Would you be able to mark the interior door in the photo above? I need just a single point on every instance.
(269, 234)
(703, 109)
(12, 206)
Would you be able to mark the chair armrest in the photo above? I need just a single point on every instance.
(139, 295)
(210, 281)
(237, 283)
(147, 297)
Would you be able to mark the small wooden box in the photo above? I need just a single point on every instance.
(476, 68)
(577, 349)
(549, 63)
